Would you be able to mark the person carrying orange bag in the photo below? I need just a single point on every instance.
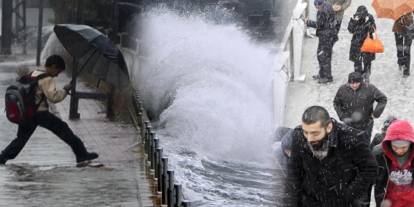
(361, 25)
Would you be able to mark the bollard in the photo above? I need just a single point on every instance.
(158, 169)
(185, 204)
(178, 193)
(164, 180)
(170, 191)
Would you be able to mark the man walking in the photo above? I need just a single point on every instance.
(329, 165)
(46, 91)
(394, 185)
(325, 30)
(404, 32)
(354, 104)
(339, 6)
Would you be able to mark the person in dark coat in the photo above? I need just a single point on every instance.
(378, 137)
(283, 148)
(325, 25)
(404, 32)
(354, 104)
(360, 25)
(329, 165)
(394, 185)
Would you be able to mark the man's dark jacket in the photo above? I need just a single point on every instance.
(348, 101)
(339, 179)
(325, 23)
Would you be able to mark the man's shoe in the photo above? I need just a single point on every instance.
(88, 157)
(2, 161)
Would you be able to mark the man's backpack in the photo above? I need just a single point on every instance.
(20, 98)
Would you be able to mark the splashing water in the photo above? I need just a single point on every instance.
(209, 89)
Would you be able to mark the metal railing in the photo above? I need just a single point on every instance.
(156, 163)
(291, 46)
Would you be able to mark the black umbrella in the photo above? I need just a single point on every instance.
(94, 52)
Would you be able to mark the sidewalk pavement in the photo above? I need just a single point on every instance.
(44, 173)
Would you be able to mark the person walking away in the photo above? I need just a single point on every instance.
(329, 165)
(354, 104)
(394, 186)
(325, 30)
(404, 32)
(360, 26)
(339, 7)
(46, 92)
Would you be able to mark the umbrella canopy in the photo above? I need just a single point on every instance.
(94, 52)
(392, 9)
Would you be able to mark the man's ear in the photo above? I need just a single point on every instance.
(329, 127)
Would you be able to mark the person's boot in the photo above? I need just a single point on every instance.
(406, 71)
(85, 159)
(324, 80)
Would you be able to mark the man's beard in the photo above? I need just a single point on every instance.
(317, 145)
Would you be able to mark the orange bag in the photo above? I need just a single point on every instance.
(372, 45)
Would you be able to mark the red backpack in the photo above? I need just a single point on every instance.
(20, 98)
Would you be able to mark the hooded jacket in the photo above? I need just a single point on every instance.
(395, 180)
(47, 92)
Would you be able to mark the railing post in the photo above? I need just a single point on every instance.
(178, 195)
(158, 169)
(164, 161)
(153, 155)
(170, 191)
(186, 204)
(151, 149)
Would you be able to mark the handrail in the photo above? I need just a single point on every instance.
(156, 163)
(292, 44)
(290, 57)
(170, 192)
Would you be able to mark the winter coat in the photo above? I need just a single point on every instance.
(360, 30)
(348, 101)
(404, 22)
(400, 191)
(284, 144)
(325, 23)
(337, 180)
(343, 3)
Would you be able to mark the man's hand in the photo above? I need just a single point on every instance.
(337, 7)
(67, 87)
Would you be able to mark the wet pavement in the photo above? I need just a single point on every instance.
(44, 173)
